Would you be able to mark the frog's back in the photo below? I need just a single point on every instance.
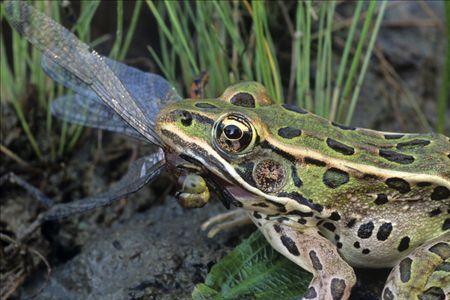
(422, 156)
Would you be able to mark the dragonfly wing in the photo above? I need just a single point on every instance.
(151, 91)
(66, 78)
(140, 172)
(88, 112)
(64, 48)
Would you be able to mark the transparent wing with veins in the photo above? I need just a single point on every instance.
(140, 172)
(108, 95)
(150, 91)
(63, 48)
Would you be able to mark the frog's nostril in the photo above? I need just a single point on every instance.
(186, 118)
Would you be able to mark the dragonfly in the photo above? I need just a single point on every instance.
(108, 95)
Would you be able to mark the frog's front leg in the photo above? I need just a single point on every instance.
(333, 277)
(423, 274)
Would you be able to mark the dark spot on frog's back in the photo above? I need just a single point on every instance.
(446, 225)
(290, 245)
(365, 251)
(401, 185)
(384, 231)
(404, 244)
(440, 193)
(315, 260)
(393, 136)
(334, 178)
(351, 223)
(256, 215)
(289, 132)
(260, 204)
(405, 269)
(204, 105)
(311, 293)
(381, 199)
(343, 127)
(243, 99)
(396, 157)
(337, 288)
(442, 249)
(433, 293)
(277, 228)
(329, 226)
(340, 147)
(435, 212)
(444, 267)
(295, 109)
(414, 144)
(335, 216)
(387, 294)
(365, 230)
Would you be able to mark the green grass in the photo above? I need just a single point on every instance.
(24, 69)
(217, 37)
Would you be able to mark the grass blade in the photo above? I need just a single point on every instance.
(445, 88)
(362, 73)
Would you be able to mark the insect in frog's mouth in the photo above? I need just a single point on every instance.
(228, 191)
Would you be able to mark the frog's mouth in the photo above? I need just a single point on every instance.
(227, 190)
(230, 193)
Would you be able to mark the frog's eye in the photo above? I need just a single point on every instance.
(234, 134)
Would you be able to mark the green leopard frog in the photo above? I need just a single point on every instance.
(328, 197)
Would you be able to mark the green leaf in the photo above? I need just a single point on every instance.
(254, 270)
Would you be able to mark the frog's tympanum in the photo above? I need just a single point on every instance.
(326, 196)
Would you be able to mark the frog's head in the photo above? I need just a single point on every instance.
(223, 137)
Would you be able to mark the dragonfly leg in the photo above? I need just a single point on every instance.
(31, 190)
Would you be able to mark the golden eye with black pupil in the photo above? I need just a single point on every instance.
(234, 134)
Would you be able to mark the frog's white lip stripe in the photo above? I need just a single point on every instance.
(287, 202)
(352, 167)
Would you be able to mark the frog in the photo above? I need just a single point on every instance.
(326, 196)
